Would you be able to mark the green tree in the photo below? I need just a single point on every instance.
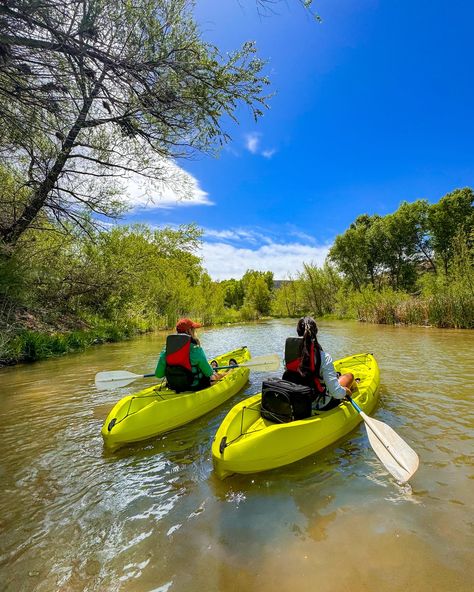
(208, 300)
(356, 252)
(92, 92)
(258, 296)
(251, 274)
(289, 299)
(319, 287)
(392, 249)
(233, 293)
(403, 244)
(13, 266)
(452, 214)
(124, 273)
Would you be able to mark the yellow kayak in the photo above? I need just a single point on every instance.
(247, 443)
(158, 409)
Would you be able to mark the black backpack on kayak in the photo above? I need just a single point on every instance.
(178, 372)
(284, 401)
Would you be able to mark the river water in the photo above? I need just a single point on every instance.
(154, 518)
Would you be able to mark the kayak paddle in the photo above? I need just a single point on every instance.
(119, 378)
(267, 363)
(398, 458)
(104, 380)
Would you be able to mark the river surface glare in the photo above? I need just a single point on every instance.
(154, 518)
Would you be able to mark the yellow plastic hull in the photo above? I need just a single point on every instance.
(157, 409)
(253, 444)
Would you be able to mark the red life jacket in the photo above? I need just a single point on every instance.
(293, 359)
(179, 372)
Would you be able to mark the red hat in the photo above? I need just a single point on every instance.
(183, 325)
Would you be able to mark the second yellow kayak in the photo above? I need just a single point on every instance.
(157, 409)
(247, 443)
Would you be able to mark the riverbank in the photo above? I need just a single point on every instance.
(31, 337)
(447, 308)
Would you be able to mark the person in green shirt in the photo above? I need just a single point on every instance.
(203, 374)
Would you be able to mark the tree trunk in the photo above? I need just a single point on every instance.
(11, 235)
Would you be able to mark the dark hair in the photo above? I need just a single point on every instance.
(308, 330)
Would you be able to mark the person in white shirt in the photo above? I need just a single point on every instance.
(315, 368)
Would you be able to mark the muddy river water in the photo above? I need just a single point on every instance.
(154, 517)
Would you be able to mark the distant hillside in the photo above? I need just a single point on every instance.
(279, 283)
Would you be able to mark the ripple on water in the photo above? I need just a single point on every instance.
(153, 517)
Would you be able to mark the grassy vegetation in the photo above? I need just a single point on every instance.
(450, 308)
(28, 345)
(62, 293)
(412, 267)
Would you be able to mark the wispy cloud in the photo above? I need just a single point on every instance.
(260, 235)
(224, 261)
(302, 236)
(268, 153)
(177, 188)
(238, 234)
(252, 143)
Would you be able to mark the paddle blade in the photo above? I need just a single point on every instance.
(117, 378)
(267, 363)
(398, 458)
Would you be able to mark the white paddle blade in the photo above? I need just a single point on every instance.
(115, 375)
(116, 384)
(398, 458)
(268, 363)
(117, 378)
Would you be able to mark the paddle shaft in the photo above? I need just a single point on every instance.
(264, 365)
(123, 378)
(129, 378)
(354, 404)
(269, 362)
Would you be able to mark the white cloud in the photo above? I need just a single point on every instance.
(237, 234)
(268, 153)
(252, 141)
(302, 236)
(224, 261)
(259, 235)
(178, 189)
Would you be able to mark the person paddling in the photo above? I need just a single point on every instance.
(183, 361)
(308, 364)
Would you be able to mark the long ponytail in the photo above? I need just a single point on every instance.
(308, 330)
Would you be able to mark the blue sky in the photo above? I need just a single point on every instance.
(372, 107)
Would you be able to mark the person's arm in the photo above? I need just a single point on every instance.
(329, 375)
(161, 366)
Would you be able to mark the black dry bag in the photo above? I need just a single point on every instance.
(284, 401)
